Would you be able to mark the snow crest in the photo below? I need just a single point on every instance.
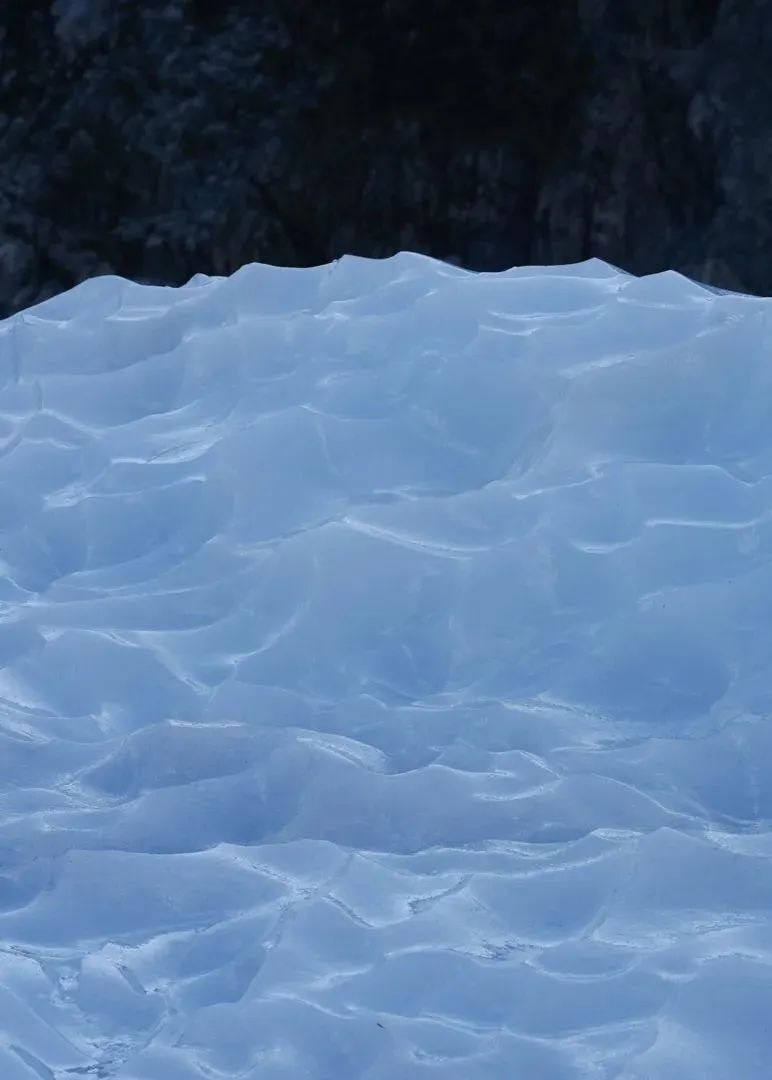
(385, 677)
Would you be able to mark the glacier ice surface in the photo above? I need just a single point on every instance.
(385, 677)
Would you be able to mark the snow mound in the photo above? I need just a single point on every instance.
(385, 679)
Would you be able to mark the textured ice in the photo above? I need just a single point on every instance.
(385, 677)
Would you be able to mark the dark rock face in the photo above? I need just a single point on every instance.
(158, 140)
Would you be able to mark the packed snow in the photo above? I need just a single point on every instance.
(385, 677)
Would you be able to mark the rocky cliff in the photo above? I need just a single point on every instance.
(160, 139)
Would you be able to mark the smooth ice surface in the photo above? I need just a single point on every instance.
(385, 678)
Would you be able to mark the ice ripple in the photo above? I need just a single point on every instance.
(384, 677)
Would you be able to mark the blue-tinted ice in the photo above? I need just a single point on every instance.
(385, 678)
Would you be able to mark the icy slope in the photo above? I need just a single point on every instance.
(385, 678)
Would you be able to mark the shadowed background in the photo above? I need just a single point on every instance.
(158, 140)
